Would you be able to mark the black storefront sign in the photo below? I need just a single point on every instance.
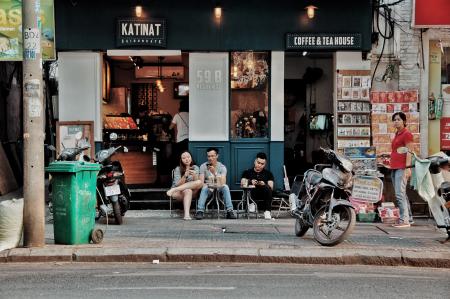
(141, 32)
(323, 41)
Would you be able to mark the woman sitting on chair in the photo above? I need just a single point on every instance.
(185, 183)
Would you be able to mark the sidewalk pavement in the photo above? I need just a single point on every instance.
(153, 236)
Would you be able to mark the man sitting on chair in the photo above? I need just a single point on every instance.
(214, 171)
(262, 179)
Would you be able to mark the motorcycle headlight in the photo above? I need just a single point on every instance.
(337, 177)
(102, 156)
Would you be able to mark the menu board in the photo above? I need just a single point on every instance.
(384, 105)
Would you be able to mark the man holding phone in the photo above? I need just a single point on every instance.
(262, 179)
(214, 172)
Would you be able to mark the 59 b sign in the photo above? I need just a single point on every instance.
(209, 79)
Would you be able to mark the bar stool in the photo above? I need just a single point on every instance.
(245, 202)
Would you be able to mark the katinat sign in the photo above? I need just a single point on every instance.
(431, 13)
(141, 32)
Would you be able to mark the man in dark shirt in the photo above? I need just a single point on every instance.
(262, 179)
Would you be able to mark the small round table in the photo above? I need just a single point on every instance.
(246, 201)
(215, 198)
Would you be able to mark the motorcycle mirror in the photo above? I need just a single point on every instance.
(125, 149)
(78, 135)
(113, 136)
(402, 150)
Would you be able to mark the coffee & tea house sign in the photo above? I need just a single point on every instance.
(141, 32)
(323, 41)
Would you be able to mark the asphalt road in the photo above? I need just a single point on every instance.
(144, 280)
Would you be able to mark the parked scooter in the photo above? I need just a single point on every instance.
(70, 154)
(322, 201)
(432, 187)
(113, 196)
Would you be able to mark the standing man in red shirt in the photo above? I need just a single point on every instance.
(401, 174)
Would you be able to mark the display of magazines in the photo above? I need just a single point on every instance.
(384, 105)
(353, 108)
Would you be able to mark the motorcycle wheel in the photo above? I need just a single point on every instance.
(117, 213)
(300, 228)
(325, 233)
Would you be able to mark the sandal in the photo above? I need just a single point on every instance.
(187, 218)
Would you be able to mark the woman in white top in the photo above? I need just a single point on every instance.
(186, 183)
(180, 122)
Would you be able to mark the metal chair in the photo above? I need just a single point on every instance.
(280, 198)
(170, 197)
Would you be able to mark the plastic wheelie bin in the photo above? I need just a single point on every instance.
(74, 201)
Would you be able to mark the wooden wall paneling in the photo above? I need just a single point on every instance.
(7, 180)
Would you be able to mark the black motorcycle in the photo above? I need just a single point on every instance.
(69, 154)
(113, 196)
(322, 201)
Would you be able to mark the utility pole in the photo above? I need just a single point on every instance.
(33, 127)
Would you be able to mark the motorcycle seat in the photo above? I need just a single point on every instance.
(436, 163)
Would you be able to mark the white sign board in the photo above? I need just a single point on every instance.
(208, 97)
(367, 189)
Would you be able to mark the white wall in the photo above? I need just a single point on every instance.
(208, 97)
(351, 61)
(80, 88)
(277, 97)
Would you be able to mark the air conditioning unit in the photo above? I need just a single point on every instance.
(167, 72)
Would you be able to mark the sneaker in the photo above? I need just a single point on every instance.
(401, 225)
(199, 215)
(231, 214)
(267, 215)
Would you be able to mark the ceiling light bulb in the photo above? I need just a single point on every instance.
(235, 71)
(138, 11)
(158, 82)
(304, 53)
(218, 12)
(310, 11)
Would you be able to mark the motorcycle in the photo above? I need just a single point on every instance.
(113, 195)
(432, 187)
(322, 201)
(69, 154)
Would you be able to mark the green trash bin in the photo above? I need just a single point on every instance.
(74, 200)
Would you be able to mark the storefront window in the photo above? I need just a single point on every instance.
(249, 73)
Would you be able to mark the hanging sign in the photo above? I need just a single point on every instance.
(141, 32)
(445, 133)
(11, 40)
(431, 13)
(320, 41)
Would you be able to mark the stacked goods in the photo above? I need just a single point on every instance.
(365, 211)
(384, 105)
(119, 122)
(353, 108)
(389, 214)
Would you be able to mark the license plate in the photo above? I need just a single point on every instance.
(112, 190)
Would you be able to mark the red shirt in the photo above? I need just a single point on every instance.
(401, 139)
